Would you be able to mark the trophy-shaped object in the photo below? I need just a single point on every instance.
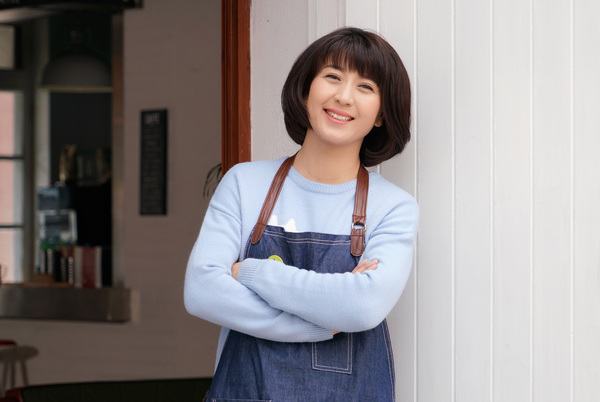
(66, 165)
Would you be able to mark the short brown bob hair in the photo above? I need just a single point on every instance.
(372, 57)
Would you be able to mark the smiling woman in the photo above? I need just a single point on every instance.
(360, 66)
(302, 288)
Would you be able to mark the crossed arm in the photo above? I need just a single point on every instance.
(292, 304)
(211, 293)
(346, 302)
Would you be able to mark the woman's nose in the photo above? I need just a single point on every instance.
(344, 94)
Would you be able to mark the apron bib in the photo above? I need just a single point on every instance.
(355, 366)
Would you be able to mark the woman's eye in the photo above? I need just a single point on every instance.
(366, 86)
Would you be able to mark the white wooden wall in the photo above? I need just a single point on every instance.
(504, 301)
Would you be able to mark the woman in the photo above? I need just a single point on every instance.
(294, 264)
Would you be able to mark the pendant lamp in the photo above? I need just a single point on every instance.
(77, 69)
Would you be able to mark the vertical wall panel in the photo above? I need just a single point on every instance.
(435, 167)
(324, 17)
(504, 301)
(362, 13)
(279, 32)
(511, 202)
(551, 200)
(397, 25)
(586, 308)
(473, 189)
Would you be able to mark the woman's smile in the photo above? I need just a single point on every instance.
(338, 117)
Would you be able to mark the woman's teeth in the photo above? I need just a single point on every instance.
(338, 117)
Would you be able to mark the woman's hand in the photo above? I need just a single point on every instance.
(235, 269)
(365, 265)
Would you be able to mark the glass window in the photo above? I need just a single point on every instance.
(11, 254)
(12, 186)
(11, 192)
(11, 109)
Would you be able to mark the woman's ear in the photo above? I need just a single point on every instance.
(379, 120)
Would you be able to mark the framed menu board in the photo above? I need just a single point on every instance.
(153, 162)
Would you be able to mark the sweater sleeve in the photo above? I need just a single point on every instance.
(347, 302)
(211, 293)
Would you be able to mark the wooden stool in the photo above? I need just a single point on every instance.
(12, 355)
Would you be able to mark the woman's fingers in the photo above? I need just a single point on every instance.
(365, 265)
(235, 269)
(368, 266)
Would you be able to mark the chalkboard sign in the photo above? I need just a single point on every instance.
(153, 162)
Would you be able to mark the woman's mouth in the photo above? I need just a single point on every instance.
(337, 118)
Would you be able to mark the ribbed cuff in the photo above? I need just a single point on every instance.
(318, 334)
(247, 271)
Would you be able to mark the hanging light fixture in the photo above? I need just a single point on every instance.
(77, 69)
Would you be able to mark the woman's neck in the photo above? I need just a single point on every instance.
(327, 165)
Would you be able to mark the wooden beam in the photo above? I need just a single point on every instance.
(235, 82)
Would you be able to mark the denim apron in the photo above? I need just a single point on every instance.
(355, 366)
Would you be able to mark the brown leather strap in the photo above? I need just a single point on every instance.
(359, 217)
(272, 195)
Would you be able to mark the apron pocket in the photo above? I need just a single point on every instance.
(333, 355)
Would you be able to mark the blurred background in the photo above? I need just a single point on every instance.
(93, 256)
(115, 115)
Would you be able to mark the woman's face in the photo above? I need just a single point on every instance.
(342, 106)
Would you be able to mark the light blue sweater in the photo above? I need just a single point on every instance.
(283, 303)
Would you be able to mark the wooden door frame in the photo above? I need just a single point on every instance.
(235, 82)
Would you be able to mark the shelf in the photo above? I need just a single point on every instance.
(65, 303)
